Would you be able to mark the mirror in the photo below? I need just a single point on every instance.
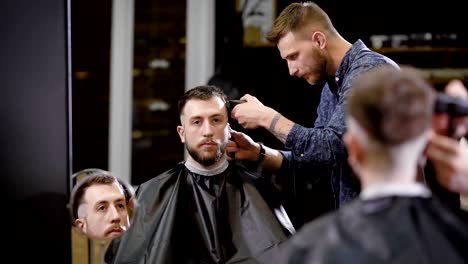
(101, 205)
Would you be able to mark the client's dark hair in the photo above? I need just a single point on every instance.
(203, 92)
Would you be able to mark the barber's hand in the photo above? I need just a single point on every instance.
(442, 123)
(450, 160)
(242, 147)
(456, 88)
(252, 114)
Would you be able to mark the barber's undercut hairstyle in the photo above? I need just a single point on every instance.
(392, 105)
(298, 16)
(202, 92)
(93, 177)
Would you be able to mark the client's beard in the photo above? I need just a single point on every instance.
(206, 160)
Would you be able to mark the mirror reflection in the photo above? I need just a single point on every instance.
(101, 204)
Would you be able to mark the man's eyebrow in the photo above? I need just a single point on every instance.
(292, 54)
(217, 115)
(211, 116)
(119, 200)
(194, 117)
(100, 203)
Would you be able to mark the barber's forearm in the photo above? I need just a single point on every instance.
(272, 161)
(280, 126)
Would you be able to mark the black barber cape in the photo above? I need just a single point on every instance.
(384, 230)
(187, 217)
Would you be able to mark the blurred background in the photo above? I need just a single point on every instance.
(94, 84)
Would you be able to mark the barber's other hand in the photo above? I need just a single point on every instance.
(460, 124)
(450, 160)
(242, 147)
(442, 123)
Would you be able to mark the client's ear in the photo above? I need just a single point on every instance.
(80, 224)
(355, 150)
(181, 131)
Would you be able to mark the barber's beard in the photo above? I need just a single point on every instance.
(206, 159)
(318, 70)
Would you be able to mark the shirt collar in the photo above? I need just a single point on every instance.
(395, 189)
(350, 55)
(348, 60)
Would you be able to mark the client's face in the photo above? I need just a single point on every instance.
(104, 214)
(205, 130)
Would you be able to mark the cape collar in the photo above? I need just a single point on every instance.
(395, 189)
(215, 171)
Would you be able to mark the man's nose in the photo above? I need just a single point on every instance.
(292, 69)
(114, 214)
(207, 129)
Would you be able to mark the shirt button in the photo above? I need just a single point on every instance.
(302, 154)
(337, 79)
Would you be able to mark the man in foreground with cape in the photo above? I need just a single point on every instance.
(207, 209)
(395, 219)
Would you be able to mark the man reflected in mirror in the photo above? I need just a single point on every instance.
(100, 207)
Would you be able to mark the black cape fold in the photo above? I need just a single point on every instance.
(184, 217)
(383, 230)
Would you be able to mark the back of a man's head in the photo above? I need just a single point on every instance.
(392, 106)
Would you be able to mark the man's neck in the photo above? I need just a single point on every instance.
(369, 177)
(214, 169)
(338, 47)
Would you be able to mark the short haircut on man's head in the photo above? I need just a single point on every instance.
(202, 92)
(392, 105)
(298, 16)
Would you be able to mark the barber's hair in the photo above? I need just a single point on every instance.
(203, 92)
(391, 105)
(90, 177)
(298, 16)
